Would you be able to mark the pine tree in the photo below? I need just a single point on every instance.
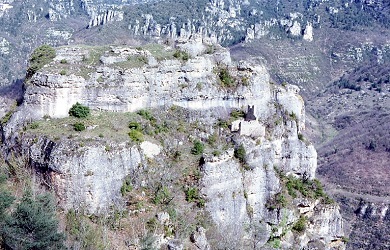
(33, 225)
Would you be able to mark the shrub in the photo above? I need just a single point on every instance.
(6, 200)
(223, 123)
(225, 78)
(9, 114)
(293, 116)
(136, 136)
(192, 194)
(135, 126)
(240, 153)
(78, 110)
(179, 54)
(126, 186)
(281, 200)
(63, 72)
(236, 113)
(162, 196)
(79, 126)
(198, 148)
(372, 146)
(63, 61)
(300, 136)
(176, 155)
(39, 58)
(300, 225)
(212, 139)
(147, 115)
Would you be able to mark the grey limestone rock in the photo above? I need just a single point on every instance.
(199, 239)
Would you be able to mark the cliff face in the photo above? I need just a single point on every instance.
(247, 196)
(125, 79)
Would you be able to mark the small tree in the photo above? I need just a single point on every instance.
(33, 225)
(78, 110)
(79, 126)
(198, 148)
(240, 153)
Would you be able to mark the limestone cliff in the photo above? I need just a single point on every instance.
(263, 198)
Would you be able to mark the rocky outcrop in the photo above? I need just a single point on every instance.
(86, 178)
(87, 175)
(104, 18)
(193, 84)
(237, 200)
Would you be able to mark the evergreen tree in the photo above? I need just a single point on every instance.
(33, 225)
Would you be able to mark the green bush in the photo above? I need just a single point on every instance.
(236, 113)
(63, 61)
(135, 126)
(6, 200)
(281, 200)
(300, 136)
(307, 188)
(240, 153)
(192, 194)
(39, 58)
(63, 72)
(82, 233)
(78, 110)
(136, 136)
(223, 123)
(300, 225)
(9, 114)
(179, 54)
(225, 78)
(198, 148)
(79, 126)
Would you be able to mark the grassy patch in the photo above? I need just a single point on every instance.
(159, 52)
(112, 126)
(132, 62)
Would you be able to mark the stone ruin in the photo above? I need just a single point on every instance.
(250, 125)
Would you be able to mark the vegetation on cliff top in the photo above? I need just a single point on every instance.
(39, 58)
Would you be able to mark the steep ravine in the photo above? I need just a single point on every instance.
(221, 146)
